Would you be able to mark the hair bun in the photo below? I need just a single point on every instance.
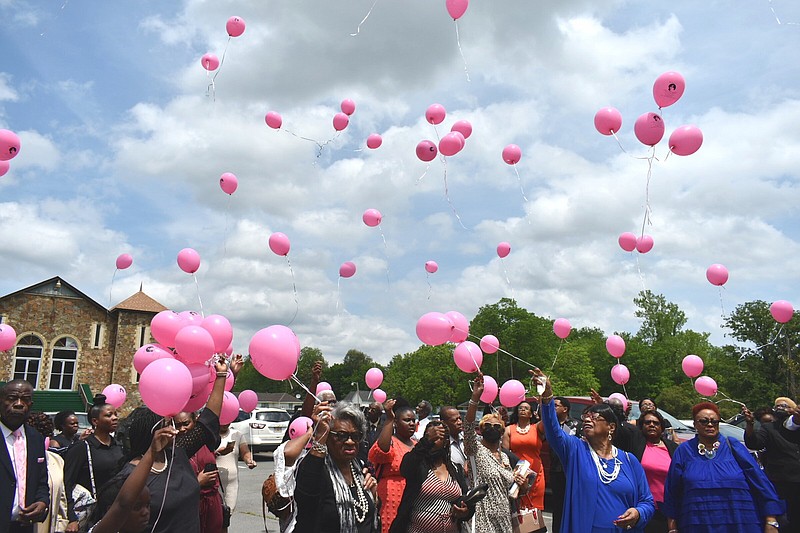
(99, 399)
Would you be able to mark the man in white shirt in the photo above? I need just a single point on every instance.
(452, 420)
(424, 410)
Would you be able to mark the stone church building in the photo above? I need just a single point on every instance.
(70, 347)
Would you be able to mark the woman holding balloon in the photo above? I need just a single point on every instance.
(525, 438)
(606, 488)
(714, 484)
(394, 442)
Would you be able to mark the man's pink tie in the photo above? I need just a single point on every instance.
(20, 465)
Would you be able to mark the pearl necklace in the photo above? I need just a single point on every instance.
(160, 470)
(709, 454)
(361, 506)
(606, 477)
(523, 431)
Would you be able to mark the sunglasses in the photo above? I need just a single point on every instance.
(707, 421)
(342, 436)
(651, 423)
(498, 427)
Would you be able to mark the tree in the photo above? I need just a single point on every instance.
(661, 319)
(351, 370)
(428, 374)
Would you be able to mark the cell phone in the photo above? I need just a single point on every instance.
(210, 467)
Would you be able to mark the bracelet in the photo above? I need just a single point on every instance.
(222, 374)
(473, 402)
(318, 447)
(546, 399)
(672, 531)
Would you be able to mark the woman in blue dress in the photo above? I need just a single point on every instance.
(606, 487)
(713, 484)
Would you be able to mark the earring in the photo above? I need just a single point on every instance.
(610, 435)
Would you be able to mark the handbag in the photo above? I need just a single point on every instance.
(85, 500)
(278, 505)
(527, 521)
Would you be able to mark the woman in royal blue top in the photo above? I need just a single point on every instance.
(713, 483)
(606, 487)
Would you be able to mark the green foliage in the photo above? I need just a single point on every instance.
(660, 319)
(428, 373)
(351, 370)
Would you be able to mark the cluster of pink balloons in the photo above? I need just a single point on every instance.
(342, 120)
(630, 242)
(124, 261)
(692, 365)
(717, 274)
(456, 8)
(616, 347)
(235, 27)
(451, 143)
(436, 328)
(782, 311)
(228, 182)
(649, 127)
(275, 351)
(374, 378)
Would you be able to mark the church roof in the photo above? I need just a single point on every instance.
(140, 302)
(54, 287)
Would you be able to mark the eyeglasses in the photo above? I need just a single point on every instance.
(781, 406)
(342, 436)
(594, 417)
(651, 423)
(707, 421)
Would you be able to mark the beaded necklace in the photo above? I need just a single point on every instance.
(709, 454)
(523, 431)
(605, 476)
(361, 504)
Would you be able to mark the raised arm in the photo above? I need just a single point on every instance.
(384, 441)
(309, 401)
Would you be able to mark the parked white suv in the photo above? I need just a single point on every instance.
(263, 429)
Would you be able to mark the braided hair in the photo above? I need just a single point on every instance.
(41, 423)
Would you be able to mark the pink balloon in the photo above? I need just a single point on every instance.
(373, 378)
(372, 217)
(210, 62)
(273, 120)
(434, 328)
(229, 380)
(201, 376)
(9, 145)
(782, 311)
(4, 166)
(460, 326)
(620, 374)
(194, 344)
(468, 357)
(431, 267)
(622, 399)
(562, 328)
(503, 249)
(299, 427)
(228, 183)
(8, 337)
(512, 154)
(347, 269)
(197, 401)
(608, 120)
(717, 274)
(229, 350)
(275, 351)
(668, 89)
(115, 394)
(456, 8)
(340, 121)
(165, 325)
(279, 243)
(221, 331)
(489, 389)
(490, 344)
(348, 107)
(615, 345)
(512, 393)
(189, 260)
(706, 386)
(686, 140)
(191, 318)
(450, 144)
(463, 127)
(323, 386)
(379, 395)
(435, 113)
(649, 128)
(426, 151)
(149, 353)
(230, 409)
(374, 141)
(627, 241)
(124, 261)
(644, 244)
(248, 400)
(692, 366)
(165, 386)
(234, 26)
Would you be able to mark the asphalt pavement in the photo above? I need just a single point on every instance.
(247, 517)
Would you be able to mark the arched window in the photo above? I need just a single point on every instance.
(62, 368)
(28, 358)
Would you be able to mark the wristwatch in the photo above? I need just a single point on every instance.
(774, 524)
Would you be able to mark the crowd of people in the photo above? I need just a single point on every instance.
(397, 468)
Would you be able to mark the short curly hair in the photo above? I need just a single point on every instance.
(704, 405)
(491, 416)
(41, 423)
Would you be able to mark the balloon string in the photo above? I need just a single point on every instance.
(302, 386)
(458, 42)
(423, 174)
(721, 304)
(641, 275)
(436, 131)
(519, 179)
(499, 350)
(428, 281)
(338, 293)
(447, 194)
(779, 20)
(619, 142)
(294, 289)
(112, 286)
(556, 357)
(227, 222)
(772, 341)
(197, 285)
(222, 61)
(647, 210)
(502, 262)
(729, 399)
(169, 472)
(211, 90)
(358, 30)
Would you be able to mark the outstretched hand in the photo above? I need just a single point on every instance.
(477, 387)
(388, 408)
(539, 377)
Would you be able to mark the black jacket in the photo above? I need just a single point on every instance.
(781, 451)
(36, 488)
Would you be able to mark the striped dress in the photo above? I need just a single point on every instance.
(431, 512)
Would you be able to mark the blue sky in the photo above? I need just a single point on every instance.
(122, 150)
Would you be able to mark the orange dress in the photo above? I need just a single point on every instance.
(528, 447)
(391, 482)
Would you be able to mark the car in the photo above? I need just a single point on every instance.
(83, 420)
(263, 429)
